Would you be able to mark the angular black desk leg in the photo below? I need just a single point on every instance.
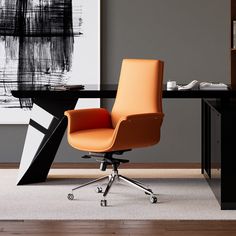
(44, 135)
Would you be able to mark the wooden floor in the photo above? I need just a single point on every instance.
(118, 227)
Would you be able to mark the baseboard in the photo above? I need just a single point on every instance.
(123, 166)
(9, 165)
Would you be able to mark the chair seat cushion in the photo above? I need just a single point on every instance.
(92, 140)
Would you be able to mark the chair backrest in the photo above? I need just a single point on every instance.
(139, 89)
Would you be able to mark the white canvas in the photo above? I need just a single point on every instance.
(84, 64)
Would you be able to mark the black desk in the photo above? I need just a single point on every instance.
(218, 130)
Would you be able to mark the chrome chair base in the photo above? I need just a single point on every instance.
(106, 159)
(114, 176)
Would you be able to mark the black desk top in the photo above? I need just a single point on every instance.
(109, 91)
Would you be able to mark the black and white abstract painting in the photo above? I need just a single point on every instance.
(46, 42)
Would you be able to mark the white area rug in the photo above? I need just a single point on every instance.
(179, 198)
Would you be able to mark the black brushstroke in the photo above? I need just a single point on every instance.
(49, 18)
(39, 41)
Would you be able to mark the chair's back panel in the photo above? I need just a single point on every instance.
(140, 88)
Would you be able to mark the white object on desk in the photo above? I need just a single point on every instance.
(189, 86)
(213, 86)
(171, 85)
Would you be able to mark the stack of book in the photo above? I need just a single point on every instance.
(234, 34)
(66, 87)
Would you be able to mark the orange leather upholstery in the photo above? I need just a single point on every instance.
(136, 117)
(88, 119)
(140, 88)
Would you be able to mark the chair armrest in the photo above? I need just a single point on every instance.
(93, 118)
(138, 130)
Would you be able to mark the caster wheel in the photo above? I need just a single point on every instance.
(99, 189)
(148, 193)
(153, 199)
(103, 203)
(70, 196)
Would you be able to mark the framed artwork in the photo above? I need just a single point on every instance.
(46, 42)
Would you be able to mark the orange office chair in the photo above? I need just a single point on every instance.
(135, 122)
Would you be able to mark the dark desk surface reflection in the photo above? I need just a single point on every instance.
(89, 91)
(109, 91)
